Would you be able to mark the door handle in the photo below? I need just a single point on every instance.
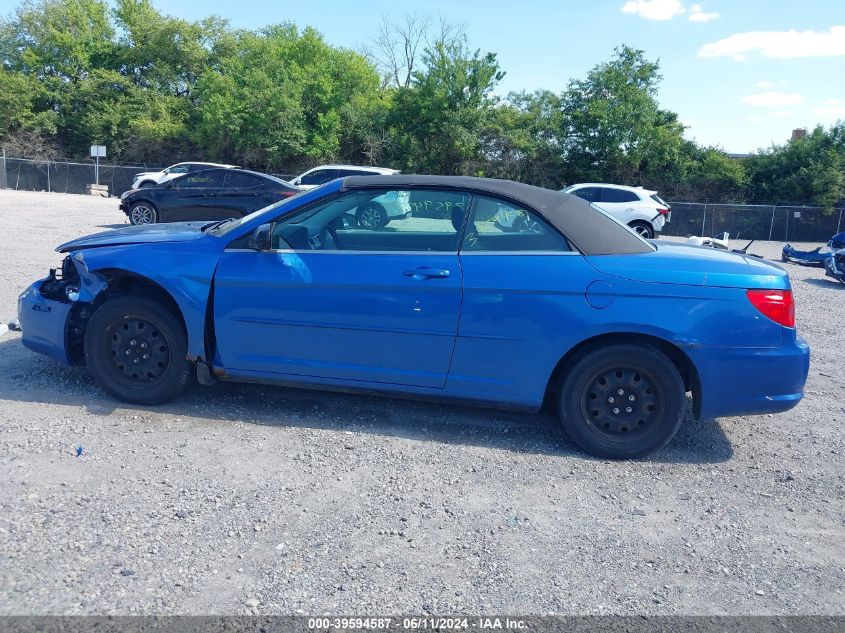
(427, 273)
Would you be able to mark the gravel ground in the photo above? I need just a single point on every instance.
(243, 498)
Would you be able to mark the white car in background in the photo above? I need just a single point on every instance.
(641, 209)
(153, 178)
(376, 213)
(317, 176)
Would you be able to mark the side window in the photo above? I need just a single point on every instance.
(618, 195)
(208, 178)
(374, 220)
(178, 169)
(240, 180)
(590, 194)
(497, 225)
(319, 177)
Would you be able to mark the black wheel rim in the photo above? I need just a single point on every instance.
(622, 402)
(139, 351)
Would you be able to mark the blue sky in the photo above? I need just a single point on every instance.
(741, 73)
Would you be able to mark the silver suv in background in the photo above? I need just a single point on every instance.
(641, 209)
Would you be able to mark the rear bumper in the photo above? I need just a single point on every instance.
(752, 381)
(43, 323)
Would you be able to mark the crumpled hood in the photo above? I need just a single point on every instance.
(691, 265)
(145, 234)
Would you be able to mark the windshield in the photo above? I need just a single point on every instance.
(228, 227)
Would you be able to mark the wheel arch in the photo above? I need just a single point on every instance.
(145, 200)
(650, 225)
(686, 368)
(121, 282)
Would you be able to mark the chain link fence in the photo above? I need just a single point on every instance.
(64, 176)
(755, 221)
(742, 221)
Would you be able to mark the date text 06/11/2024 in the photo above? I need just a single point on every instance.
(414, 623)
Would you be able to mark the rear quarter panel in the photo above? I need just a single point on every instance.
(520, 319)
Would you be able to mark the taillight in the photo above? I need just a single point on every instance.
(774, 304)
(663, 211)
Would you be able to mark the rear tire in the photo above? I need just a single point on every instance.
(644, 229)
(142, 213)
(136, 349)
(622, 401)
(372, 216)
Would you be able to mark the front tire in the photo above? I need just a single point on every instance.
(644, 229)
(136, 349)
(142, 213)
(622, 401)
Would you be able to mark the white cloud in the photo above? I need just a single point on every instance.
(779, 44)
(833, 108)
(697, 14)
(766, 99)
(654, 9)
(763, 85)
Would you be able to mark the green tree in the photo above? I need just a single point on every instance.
(436, 121)
(614, 128)
(806, 170)
(281, 95)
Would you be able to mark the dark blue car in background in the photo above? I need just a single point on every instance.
(569, 307)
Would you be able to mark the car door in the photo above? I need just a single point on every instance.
(334, 301)
(242, 194)
(523, 303)
(194, 196)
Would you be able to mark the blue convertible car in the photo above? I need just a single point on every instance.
(563, 305)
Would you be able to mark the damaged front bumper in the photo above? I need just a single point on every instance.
(834, 266)
(52, 312)
(43, 322)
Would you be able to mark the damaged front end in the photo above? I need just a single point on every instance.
(834, 266)
(53, 311)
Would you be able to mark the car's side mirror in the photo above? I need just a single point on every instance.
(295, 182)
(261, 239)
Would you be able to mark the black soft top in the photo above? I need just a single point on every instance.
(590, 231)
